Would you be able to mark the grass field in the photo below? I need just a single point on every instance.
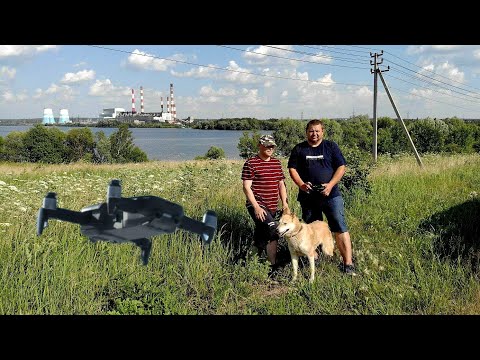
(416, 244)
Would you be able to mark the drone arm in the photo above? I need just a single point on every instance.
(205, 229)
(61, 214)
(76, 217)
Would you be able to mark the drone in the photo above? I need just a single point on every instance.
(133, 219)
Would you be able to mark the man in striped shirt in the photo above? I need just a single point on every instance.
(263, 185)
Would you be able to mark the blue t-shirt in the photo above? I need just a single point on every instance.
(316, 164)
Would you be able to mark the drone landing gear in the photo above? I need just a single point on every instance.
(145, 246)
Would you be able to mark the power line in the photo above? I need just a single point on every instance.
(226, 69)
(317, 55)
(424, 97)
(286, 58)
(430, 83)
(335, 51)
(409, 82)
(432, 71)
(428, 77)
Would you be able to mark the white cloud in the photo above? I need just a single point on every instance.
(209, 91)
(446, 70)
(200, 72)
(78, 77)
(263, 54)
(59, 92)
(7, 73)
(10, 97)
(239, 74)
(145, 61)
(476, 54)
(249, 97)
(105, 88)
(364, 92)
(23, 50)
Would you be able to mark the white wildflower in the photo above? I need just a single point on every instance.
(5, 224)
(13, 188)
(2, 183)
(22, 208)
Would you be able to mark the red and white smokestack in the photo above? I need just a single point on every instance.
(161, 102)
(133, 102)
(141, 100)
(168, 104)
(174, 109)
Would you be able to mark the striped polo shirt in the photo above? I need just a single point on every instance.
(265, 176)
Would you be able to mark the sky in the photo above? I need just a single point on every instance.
(226, 81)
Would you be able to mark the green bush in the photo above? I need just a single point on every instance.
(248, 145)
(45, 144)
(213, 153)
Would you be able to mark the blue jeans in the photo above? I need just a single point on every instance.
(312, 209)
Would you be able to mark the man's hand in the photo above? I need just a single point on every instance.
(307, 187)
(260, 213)
(328, 189)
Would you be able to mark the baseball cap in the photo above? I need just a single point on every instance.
(267, 140)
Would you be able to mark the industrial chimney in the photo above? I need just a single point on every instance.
(133, 102)
(141, 100)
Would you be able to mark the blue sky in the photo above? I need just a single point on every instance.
(260, 81)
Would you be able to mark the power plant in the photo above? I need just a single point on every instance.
(48, 118)
(169, 116)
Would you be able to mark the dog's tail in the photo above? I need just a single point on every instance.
(328, 245)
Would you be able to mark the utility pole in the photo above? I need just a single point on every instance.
(400, 120)
(375, 92)
(376, 71)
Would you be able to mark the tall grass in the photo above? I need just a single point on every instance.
(415, 244)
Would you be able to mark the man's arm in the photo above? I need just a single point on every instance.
(283, 194)
(337, 176)
(304, 186)
(247, 189)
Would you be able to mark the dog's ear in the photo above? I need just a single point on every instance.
(286, 211)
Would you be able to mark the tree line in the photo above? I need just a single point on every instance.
(45, 144)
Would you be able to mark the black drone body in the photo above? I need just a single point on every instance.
(133, 219)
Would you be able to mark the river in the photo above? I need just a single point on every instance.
(170, 143)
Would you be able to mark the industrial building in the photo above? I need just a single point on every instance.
(168, 116)
(49, 119)
(111, 113)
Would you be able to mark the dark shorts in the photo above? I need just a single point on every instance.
(265, 231)
(332, 208)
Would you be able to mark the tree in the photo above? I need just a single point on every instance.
(288, 134)
(215, 153)
(101, 151)
(248, 145)
(121, 143)
(45, 144)
(14, 149)
(79, 143)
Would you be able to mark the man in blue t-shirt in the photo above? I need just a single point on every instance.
(316, 166)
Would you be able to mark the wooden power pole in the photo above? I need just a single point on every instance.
(376, 71)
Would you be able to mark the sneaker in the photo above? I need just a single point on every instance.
(350, 270)
(341, 267)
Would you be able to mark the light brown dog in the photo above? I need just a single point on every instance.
(303, 239)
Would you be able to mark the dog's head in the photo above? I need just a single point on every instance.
(287, 223)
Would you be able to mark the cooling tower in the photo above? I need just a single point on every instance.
(64, 118)
(48, 117)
